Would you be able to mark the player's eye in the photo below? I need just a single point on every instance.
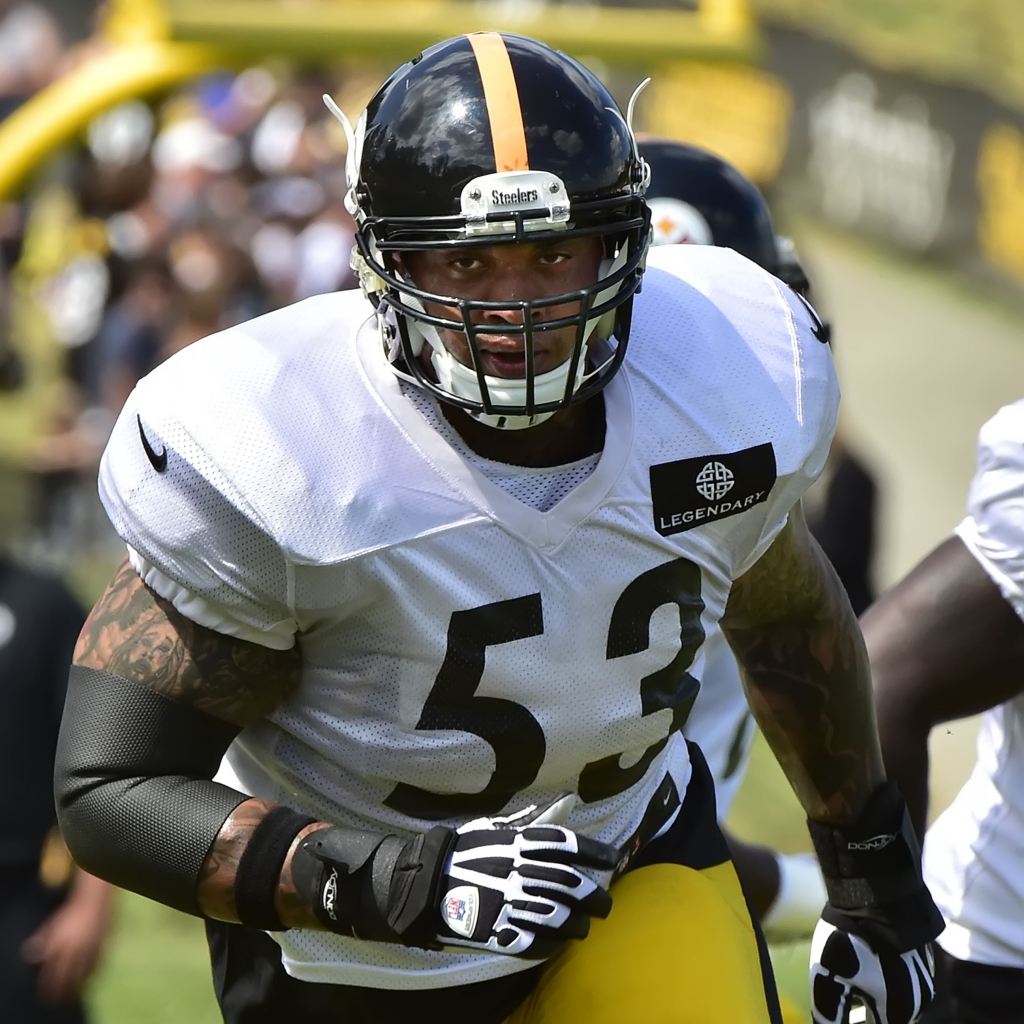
(551, 259)
(465, 263)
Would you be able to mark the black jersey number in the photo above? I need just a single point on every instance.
(672, 687)
(514, 734)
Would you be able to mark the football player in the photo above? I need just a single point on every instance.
(697, 198)
(945, 643)
(437, 563)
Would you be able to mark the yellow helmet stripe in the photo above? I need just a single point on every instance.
(508, 136)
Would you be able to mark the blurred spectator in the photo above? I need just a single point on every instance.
(53, 918)
(169, 224)
(131, 337)
(31, 49)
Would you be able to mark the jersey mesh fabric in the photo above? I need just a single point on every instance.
(540, 488)
(437, 615)
(974, 850)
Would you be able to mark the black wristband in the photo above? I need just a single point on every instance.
(873, 861)
(260, 867)
(872, 871)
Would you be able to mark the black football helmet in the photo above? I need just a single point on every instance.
(699, 198)
(491, 139)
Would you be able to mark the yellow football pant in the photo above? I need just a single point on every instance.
(677, 948)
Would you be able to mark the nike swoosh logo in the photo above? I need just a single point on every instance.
(821, 329)
(158, 462)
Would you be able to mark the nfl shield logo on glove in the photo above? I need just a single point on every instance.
(460, 908)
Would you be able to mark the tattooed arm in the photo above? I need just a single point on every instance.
(806, 673)
(135, 634)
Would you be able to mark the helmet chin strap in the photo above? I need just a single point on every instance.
(462, 382)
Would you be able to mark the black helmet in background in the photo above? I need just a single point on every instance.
(699, 198)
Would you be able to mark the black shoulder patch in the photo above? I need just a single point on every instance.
(692, 492)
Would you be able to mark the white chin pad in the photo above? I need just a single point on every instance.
(507, 392)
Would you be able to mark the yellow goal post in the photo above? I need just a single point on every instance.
(148, 46)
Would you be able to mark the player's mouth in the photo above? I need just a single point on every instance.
(506, 357)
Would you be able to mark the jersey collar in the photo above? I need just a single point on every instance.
(544, 530)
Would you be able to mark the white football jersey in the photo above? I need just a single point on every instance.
(465, 654)
(974, 852)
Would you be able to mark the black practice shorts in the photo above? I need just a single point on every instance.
(973, 993)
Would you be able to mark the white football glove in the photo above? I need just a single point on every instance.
(515, 886)
(895, 988)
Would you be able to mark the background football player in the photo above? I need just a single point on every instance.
(438, 564)
(945, 643)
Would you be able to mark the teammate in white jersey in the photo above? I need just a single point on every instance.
(453, 691)
(947, 642)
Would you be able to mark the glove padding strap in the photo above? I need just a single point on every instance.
(509, 885)
(372, 885)
(872, 871)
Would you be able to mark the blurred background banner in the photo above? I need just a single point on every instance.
(934, 168)
(916, 146)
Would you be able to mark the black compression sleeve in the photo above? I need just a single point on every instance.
(132, 779)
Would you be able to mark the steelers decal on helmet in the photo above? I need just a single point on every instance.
(501, 95)
(675, 222)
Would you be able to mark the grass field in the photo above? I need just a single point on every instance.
(156, 970)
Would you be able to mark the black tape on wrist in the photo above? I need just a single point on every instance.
(872, 871)
(333, 871)
(873, 861)
(260, 867)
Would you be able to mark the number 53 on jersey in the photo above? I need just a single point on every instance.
(517, 738)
